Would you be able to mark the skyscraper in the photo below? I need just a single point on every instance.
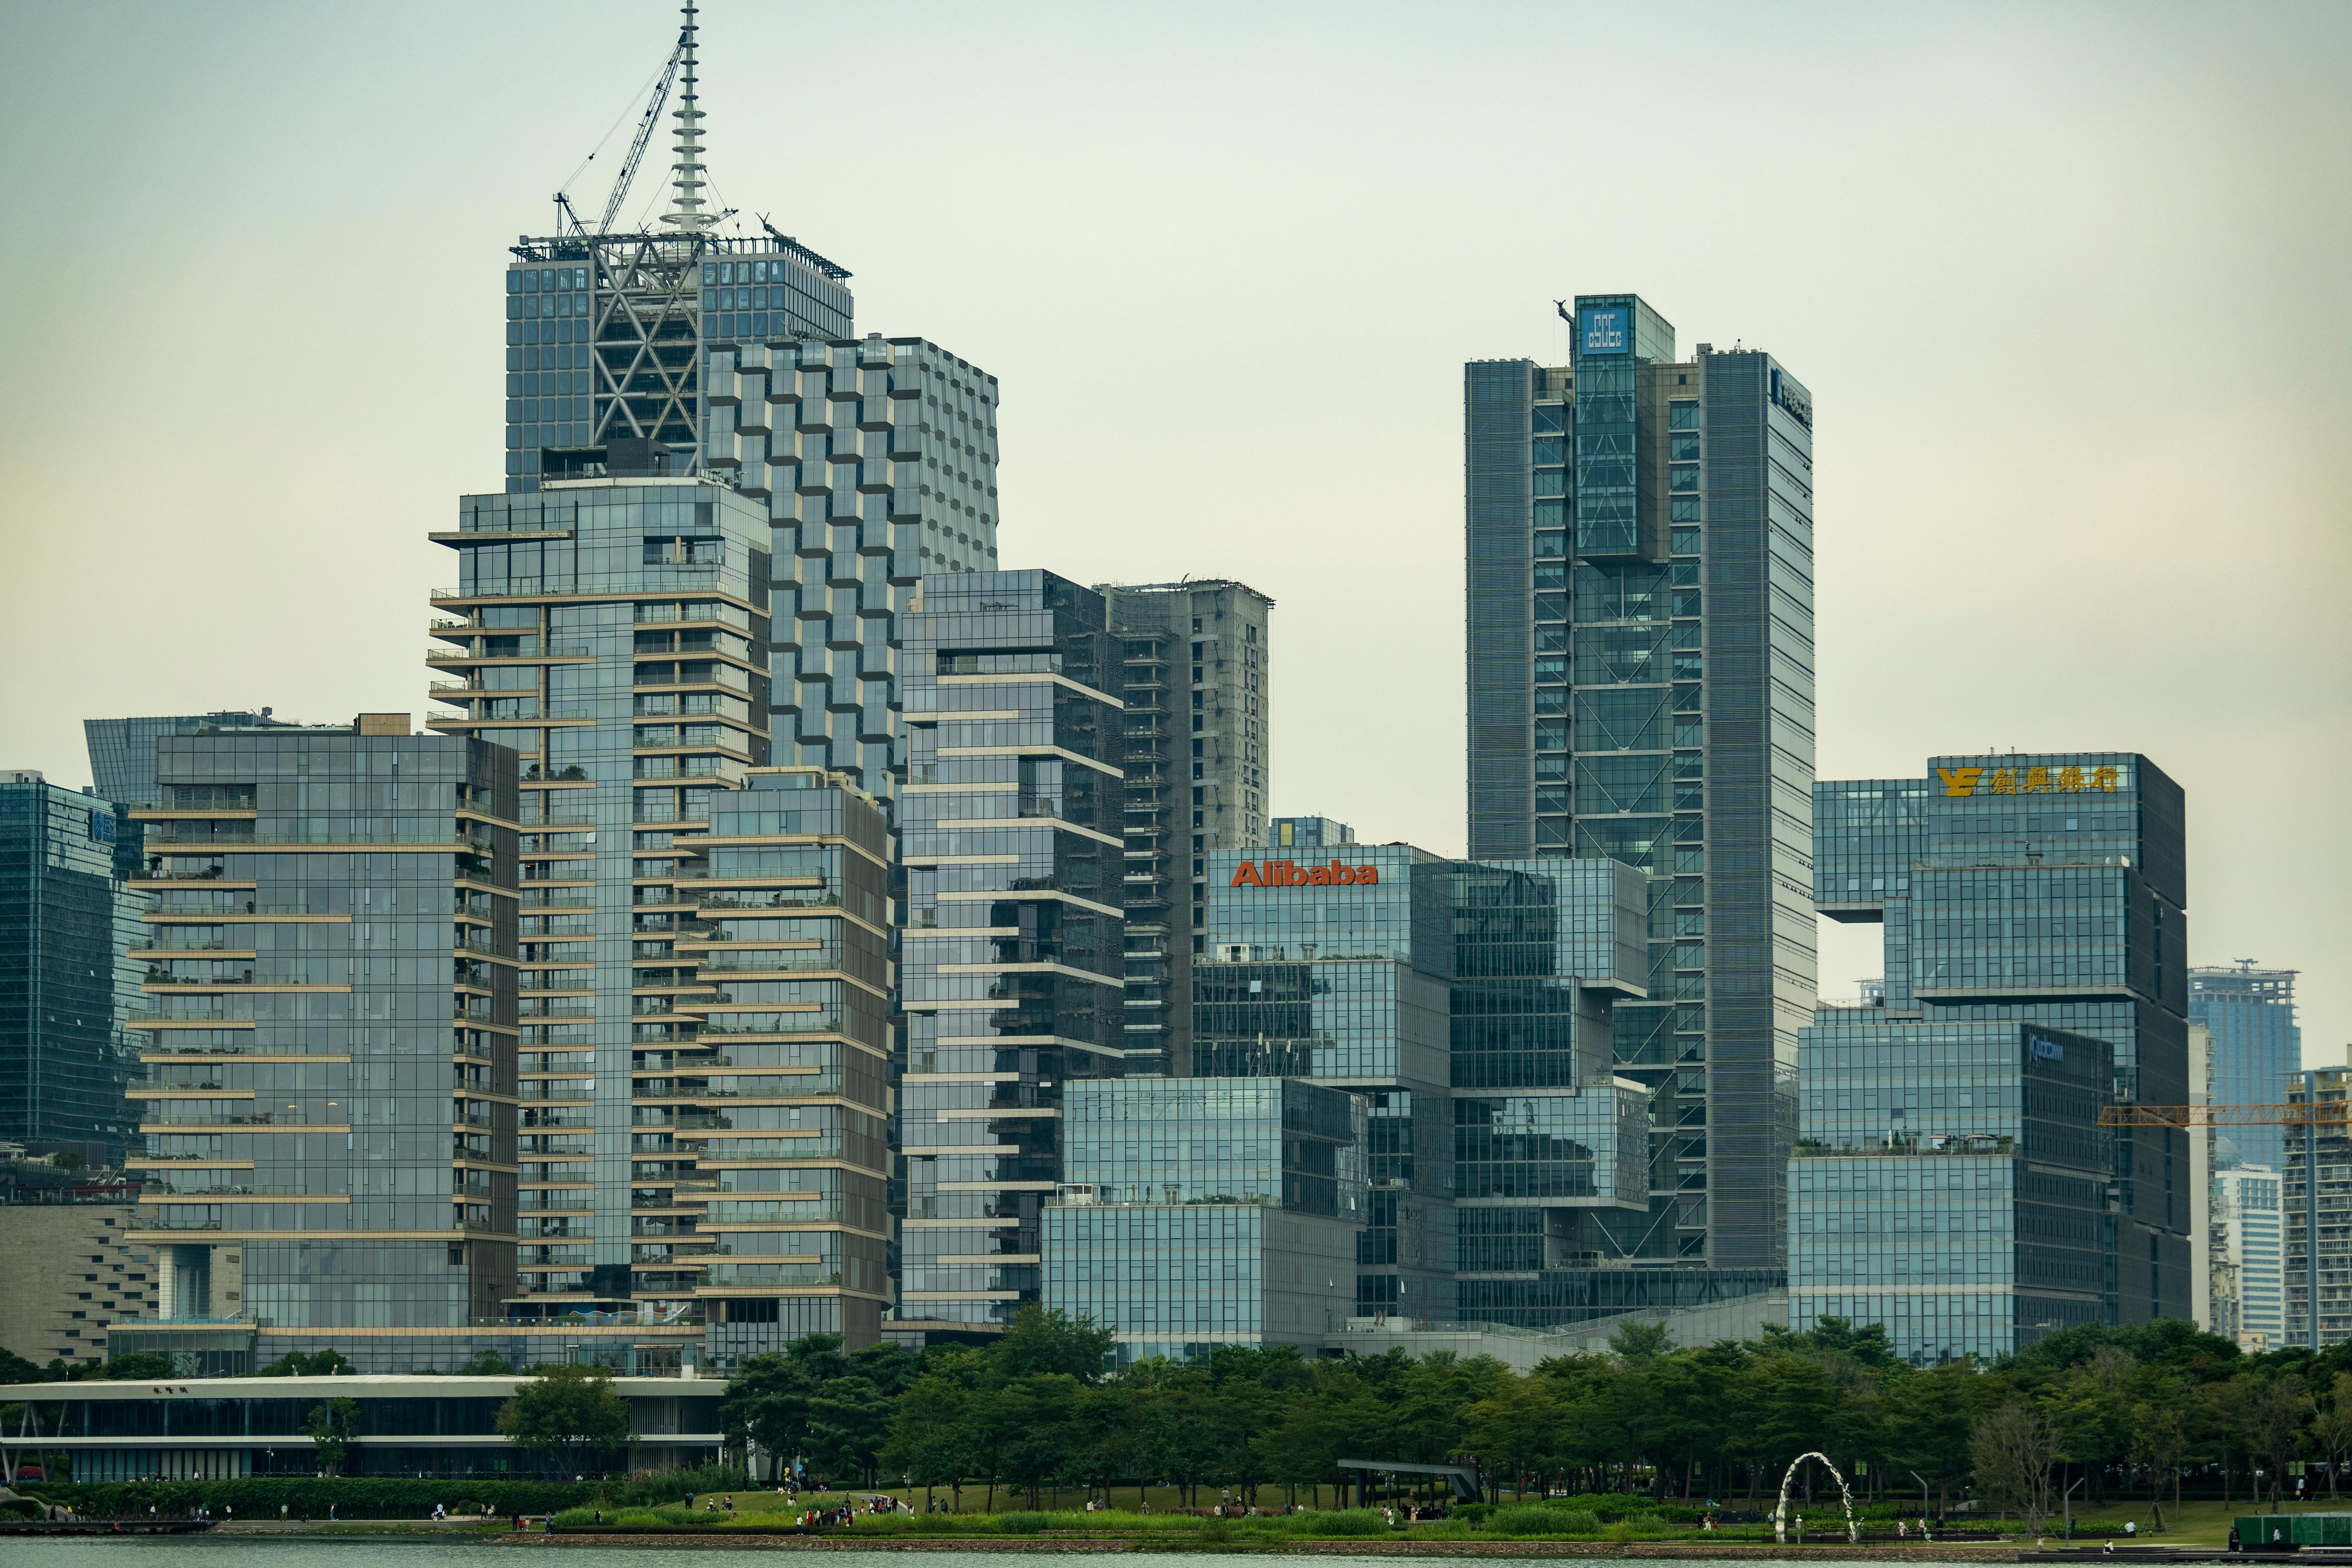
(1470, 1003)
(2257, 1045)
(607, 329)
(2047, 890)
(329, 1098)
(69, 917)
(1639, 535)
(1198, 753)
(122, 751)
(613, 631)
(1010, 965)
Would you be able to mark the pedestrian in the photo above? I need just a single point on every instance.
(2131, 1529)
(2107, 1549)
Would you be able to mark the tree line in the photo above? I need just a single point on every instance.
(2149, 1410)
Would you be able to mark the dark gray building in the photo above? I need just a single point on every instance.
(1010, 970)
(1198, 748)
(2042, 889)
(68, 913)
(1639, 536)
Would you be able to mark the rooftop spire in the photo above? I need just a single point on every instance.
(687, 212)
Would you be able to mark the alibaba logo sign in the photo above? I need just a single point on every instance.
(1290, 874)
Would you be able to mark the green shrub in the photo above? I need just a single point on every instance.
(1538, 1519)
(1471, 1512)
(1343, 1521)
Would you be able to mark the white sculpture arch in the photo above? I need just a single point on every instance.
(1780, 1514)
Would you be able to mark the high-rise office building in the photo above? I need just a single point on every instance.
(1207, 1211)
(1639, 536)
(68, 915)
(2047, 889)
(1471, 1004)
(2329, 1146)
(1950, 1183)
(1307, 832)
(1011, 956)
(122, 751)
(607, 332)
(329, 1094)
(1198, 752)
(2251, 1204)
(2257, 1045)
(613, 632)
(777, 1123)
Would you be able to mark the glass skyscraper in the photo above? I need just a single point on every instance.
(1639, 542)
(68, 916)
(329, 1039)
(1207, 1211)
(122, 751)
(1950, 1183)
(1471, 1004)
(2042, 890)
(2257, 1045)
(1012, 952)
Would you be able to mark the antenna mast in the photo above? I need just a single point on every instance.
(685, 214)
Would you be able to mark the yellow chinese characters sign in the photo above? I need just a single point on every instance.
(1963, 782)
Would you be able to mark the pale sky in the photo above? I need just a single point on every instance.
(2067, 284)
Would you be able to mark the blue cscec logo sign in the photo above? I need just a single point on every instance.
(1607, 330)
(2048, 1050)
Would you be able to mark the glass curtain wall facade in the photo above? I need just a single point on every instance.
(1198, 748)
(328, 1098)
(614, 633)
(1307, 832)
(1011, 947)
(122, 751)
(1639, 542)
(1950, 1183)
(2045, 888)
(1199, 1212)
(68, 915)
(2257, 1045)
(1470, 1002)
(779, 1104)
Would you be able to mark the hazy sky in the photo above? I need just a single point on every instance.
(2067, 284)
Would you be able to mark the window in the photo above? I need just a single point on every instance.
(1682, 415)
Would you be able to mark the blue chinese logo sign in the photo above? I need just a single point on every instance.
(1605, 330)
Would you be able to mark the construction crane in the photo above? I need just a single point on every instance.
(2311, 1113)
(645, 131)
(2295, 1113)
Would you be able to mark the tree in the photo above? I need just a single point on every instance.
(927, 1431)
(331, 1426)
(1043, 1342)
(773, 1401)
(1637, 1342)
(2277, 1415)
(571, 1411)
(136, 1366)
(15, 1368)
(2159, 1440)
(328, 1363)
(2011, 1448)
(2332, 1428)
(485, 1363)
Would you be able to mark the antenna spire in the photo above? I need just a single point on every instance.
(687, 214)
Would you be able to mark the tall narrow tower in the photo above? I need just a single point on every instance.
(1638, 534)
